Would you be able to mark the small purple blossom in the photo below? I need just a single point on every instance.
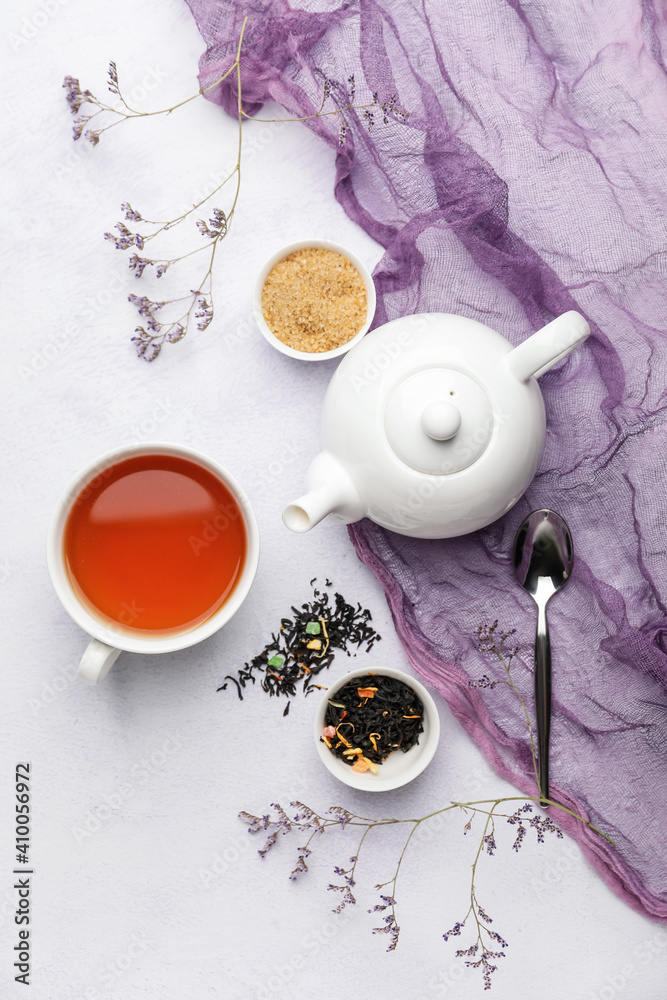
(341, 815)
(204, 312)
(147, 347)
(130, 214)
(483, 682)
(176, 333)
(271, 840)
(540, 824)
(74, 95)
(255, 823)
(455, 931)
(217, 225)
(112, 74)
(347, 874)
(490, 844)
(490, 640)
(301, 866)
(472, 950)
(139, 264)
(391, 928)
(126, 239)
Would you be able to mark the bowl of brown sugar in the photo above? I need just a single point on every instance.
(314, 299)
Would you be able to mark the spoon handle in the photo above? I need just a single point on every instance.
(543, 698)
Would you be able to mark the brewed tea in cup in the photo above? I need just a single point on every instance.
(152, 549)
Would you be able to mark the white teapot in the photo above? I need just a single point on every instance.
(433, 426)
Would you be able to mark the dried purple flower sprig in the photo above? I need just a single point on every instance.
(78, 99)
(483, 952)
(197, 307)
(488, 945)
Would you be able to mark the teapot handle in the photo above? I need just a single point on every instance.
(544, 349)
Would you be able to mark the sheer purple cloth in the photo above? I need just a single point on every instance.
(530, 178)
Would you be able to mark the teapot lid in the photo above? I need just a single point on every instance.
(438, 421)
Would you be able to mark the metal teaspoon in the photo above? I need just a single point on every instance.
(542, 564)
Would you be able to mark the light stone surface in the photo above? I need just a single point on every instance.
(146, 883)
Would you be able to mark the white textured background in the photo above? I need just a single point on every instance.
(164, 895)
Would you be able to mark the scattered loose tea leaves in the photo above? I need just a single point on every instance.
(389, 717)
(294, 658)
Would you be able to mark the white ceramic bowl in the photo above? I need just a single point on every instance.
(285, 252)
(399, 768)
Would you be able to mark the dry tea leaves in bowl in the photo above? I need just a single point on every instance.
(371, 717)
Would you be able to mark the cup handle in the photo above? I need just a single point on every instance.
(97, 661)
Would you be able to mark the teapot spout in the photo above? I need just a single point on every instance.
(548, 346)
(331, 491)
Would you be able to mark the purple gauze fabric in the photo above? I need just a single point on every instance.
(529, 179)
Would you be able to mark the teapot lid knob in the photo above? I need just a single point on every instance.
(438, 421)
(441, 419)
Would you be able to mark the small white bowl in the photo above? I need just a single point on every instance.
(399, 768)
(285, 252)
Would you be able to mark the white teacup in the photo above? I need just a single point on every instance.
(108, 639)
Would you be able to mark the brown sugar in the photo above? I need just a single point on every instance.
(314, 300)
